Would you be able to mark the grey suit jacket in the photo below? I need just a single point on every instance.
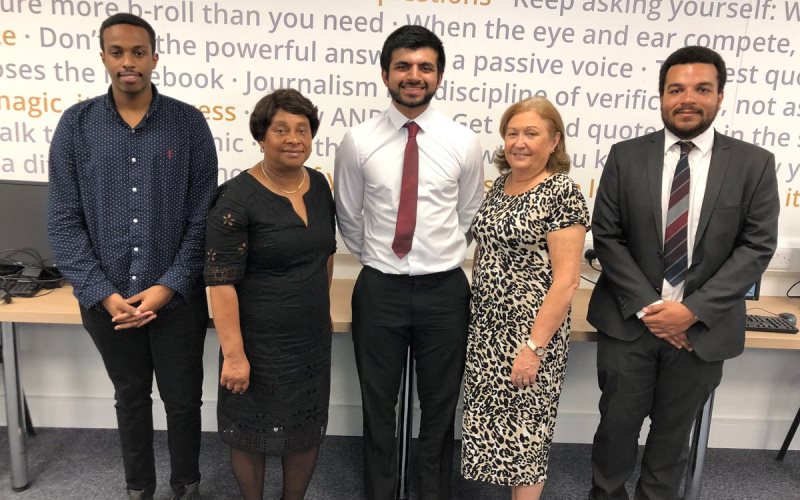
(736, 237)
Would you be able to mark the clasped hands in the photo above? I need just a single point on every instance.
(670, 321)
(137, 310)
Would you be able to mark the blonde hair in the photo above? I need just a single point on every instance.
(559, 161)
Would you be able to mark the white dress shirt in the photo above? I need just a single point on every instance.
(699, 162)
(367, 177)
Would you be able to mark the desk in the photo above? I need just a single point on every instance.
(60, 307)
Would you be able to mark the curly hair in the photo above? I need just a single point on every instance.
(288, 100)
(693, 54)
(125, 18)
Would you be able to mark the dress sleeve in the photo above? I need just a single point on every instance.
(568, 206)
(226, 239)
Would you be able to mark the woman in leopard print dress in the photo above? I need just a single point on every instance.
(530, 232)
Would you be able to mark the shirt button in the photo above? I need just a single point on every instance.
(133, 160)
(133, 278)
(135, 221)
(134, 190)
(135, 249)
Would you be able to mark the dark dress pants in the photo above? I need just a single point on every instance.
(172, 346)
(430, 313)
(646, 377)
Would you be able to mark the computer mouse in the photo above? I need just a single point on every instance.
(791, 318)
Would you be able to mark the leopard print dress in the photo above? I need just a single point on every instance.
(507, 431)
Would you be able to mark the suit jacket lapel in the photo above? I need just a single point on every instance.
(720, 161)
(654, 162)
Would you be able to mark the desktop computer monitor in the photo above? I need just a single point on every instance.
(23, 225)
(752, 293)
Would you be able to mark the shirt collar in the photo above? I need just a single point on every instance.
(398, 119)
(112, 106)
(703, 142)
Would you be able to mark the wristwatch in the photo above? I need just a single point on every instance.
(539, 351)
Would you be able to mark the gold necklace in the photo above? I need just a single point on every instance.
(299, 187)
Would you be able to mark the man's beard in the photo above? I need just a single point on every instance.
(701, 127)
(426, 98)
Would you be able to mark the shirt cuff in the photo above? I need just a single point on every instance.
(92, 296)
(640, 313)
(177, 282)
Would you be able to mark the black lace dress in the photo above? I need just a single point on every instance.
(257, 242)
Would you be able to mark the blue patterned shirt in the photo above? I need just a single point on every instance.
(127, 206)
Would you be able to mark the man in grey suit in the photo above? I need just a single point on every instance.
(685, 221)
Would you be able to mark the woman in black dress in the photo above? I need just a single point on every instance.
(269, 262)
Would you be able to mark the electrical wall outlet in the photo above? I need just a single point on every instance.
(782, 260)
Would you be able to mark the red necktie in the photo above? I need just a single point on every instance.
(407, 210)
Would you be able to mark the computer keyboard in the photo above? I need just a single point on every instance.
(774, 324)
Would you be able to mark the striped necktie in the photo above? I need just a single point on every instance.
(676, 259)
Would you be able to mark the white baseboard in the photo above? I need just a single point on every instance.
(726, 432)
(99, 413)
(345, 420)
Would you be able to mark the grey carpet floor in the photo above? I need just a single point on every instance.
(86, 464)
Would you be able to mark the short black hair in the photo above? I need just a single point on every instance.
(412, 37)
(693, 54)
(126, 18)
(288, 100)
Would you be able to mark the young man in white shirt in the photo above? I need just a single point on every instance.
(407, 184)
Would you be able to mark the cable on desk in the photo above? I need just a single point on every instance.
(788, 292)
(760, 309)
(23, 277)
(5, 257)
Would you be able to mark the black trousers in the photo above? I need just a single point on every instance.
(430, 313)
(172, 346)
(646, 377)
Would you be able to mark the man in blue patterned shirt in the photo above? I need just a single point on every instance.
(132, 174)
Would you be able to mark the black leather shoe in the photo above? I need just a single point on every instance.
(190, 492)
